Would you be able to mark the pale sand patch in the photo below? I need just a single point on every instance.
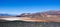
(24, 19)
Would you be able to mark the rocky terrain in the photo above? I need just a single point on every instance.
(47, 16)
(53, 15)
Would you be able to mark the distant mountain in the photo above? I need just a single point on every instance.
(40, 14)
(54, 12)
(6, 15)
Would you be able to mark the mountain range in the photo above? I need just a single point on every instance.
(54, 12)
(53, 16)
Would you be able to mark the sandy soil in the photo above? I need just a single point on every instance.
(32, 19)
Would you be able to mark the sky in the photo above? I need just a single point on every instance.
(28, 6)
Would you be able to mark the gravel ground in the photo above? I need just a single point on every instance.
(29, 24)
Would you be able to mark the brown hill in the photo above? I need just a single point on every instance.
(41, 14)
(53, 15)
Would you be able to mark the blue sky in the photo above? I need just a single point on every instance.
(28, 6)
